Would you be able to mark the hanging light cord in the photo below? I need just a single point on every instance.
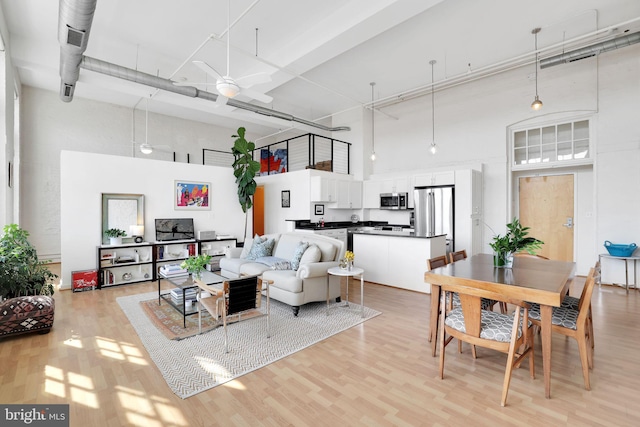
(373, 140)
(433, 110)
(536, 62)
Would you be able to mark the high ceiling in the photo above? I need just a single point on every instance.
(321, 55)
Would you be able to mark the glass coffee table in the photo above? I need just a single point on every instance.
(183, 283)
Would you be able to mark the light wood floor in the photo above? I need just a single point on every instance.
(379, 373)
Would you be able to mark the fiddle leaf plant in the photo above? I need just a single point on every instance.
(245, 170)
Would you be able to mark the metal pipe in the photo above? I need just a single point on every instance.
(124, 73)
(589, 51)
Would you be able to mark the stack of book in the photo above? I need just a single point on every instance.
(172, 270)
(176, 295)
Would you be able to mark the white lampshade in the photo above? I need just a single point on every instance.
(136, 230)
(146, 148)
(227, 88)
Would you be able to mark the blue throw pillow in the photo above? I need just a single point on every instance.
(260, 249)
(297, 255)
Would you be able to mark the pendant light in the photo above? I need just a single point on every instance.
(373, 143)
(536, 104)
(146, 148)
(433, 148)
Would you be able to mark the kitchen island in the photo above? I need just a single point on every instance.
(396, 258)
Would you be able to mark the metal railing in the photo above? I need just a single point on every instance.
(308, 151)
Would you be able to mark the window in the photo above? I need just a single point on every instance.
(551, 144)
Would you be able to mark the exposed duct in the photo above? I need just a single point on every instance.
(124, 73)
(74, 24)
(589, 51)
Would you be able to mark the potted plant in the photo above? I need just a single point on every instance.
(195, 265)
(21, 273)
(245, 170)
(115, 235)
(514, 241)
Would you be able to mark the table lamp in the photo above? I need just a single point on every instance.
(137, 232)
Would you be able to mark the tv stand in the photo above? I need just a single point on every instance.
(134, 263)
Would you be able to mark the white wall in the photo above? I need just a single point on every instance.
(49, 126)
(471, 126)
(85, 176)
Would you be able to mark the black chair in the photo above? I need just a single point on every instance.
(238, 296)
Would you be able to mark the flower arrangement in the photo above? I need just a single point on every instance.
(348, 255)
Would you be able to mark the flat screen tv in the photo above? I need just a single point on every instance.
(174, 229)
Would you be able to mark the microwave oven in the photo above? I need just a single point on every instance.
(394, 201)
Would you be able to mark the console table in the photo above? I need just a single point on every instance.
(626, 268)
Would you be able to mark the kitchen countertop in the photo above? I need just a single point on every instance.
(307, 225)
(395, 234)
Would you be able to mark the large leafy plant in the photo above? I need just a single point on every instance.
(245, 170)
(515, 240)
(21, 273)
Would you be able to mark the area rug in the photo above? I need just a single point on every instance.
(193, 365)
(170, 322)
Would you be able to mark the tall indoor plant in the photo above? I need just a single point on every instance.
(21, 273)
(515, 240)
(245, 170)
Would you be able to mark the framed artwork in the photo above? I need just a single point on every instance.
(286, 198)
(191, 195)
(319, 210)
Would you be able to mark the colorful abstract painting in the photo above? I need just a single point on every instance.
(273, 162)
(192, 195)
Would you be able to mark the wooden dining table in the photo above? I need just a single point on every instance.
(541, 281)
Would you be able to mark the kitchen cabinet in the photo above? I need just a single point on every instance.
(374, 187)
(335, 233)
(434, 178)
(468, 214)
(323, 189)
(348, 194)
(396, 261)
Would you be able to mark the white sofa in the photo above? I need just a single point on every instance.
(295, 288)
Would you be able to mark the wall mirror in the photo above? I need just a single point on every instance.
(121, 211)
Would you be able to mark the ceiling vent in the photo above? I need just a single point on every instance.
(589, 51)
(75, 37)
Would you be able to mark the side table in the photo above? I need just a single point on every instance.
(343, 272)
(626, 267)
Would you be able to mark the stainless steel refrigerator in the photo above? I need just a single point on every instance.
(434, 212)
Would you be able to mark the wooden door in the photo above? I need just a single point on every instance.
(258, 211)
(546, 206)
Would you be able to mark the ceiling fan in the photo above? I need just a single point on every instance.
(145, 147)
(226, 85)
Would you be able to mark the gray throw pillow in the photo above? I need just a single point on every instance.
(248, 244)
(260, 249)
(295, 261)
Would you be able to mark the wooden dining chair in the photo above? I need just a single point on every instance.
(457, 255)
(575, 323)
(502, 332)
(486, 304)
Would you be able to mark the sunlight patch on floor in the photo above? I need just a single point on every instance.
(212, 367)
(142, 409)
(120, 351)
(72, 386)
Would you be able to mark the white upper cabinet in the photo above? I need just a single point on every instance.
(323, 189)
(434, 178)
